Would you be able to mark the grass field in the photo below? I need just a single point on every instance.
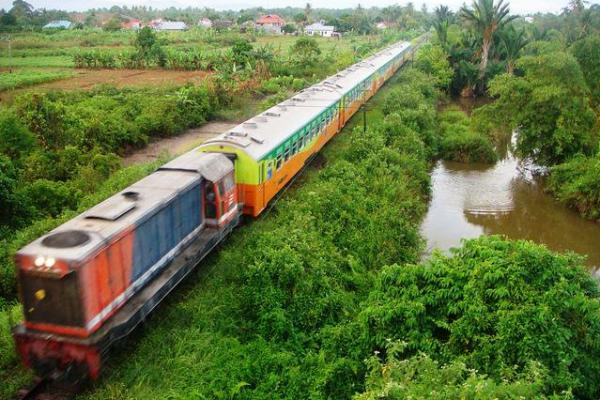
(28, 77)
(40, 52)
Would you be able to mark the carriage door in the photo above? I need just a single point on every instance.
(210, 203)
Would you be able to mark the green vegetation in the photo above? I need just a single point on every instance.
(577, 184)
(313, 299)
(269, 320)
(59, 147)
(460, 142)
(543, 78)
(22, 78)
(550, 107)
(420, 377)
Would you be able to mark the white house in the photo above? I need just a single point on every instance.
(62, 24)
(171, 26)
(205, 23)
(318, 29)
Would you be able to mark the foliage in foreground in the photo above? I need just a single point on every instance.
(499, 307)
(421, 378)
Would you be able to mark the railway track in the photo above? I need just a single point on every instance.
(47, 389)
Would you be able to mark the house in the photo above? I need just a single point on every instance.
(205, 23)
(529, 20)
(161, 25)
(61, 24)
(319, 29)
(271, 23)
(131, 23)
(382, 25)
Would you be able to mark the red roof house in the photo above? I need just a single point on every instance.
(274, 20)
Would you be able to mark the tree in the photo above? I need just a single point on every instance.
(113, 24)
(306, 51)
(443, 17)
(433, 60)
(307, 13)
(148, 46)
(15, 138)
(486, 18)
(512, 42)
(7, 20)
(288, 28)
(242, 50)
(588, 56)
(549, 106)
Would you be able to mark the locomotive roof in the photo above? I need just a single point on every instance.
(80, 237)
(261, 134)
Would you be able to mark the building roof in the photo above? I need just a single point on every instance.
(271, 19)
(262, 134)
(171, 26)
(58, 24)
(317, 26)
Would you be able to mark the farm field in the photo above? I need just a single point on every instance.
(42, 54)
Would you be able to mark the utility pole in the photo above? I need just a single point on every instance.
(9, 56)
(364, 110)
(10, 66)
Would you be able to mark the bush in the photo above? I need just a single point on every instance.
(499, 307)
(577, 184)
(460, 143)
(420, 377)
(433, 60)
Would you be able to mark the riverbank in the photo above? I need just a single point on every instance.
(501, 198)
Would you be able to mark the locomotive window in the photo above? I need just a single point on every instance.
(226, 184)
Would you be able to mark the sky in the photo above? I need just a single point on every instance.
(517, 7)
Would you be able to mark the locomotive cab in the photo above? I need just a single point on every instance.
(220, 200)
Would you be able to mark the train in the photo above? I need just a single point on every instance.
(88, 283)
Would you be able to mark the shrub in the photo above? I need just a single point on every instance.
(420, 377)
(460, 143)
(498, 306)
(577, 184)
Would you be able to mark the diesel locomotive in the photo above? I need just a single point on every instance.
(91, 281)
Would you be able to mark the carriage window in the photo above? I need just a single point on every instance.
(279, 161)
(286, 154)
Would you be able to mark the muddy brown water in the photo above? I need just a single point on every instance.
(470, 200)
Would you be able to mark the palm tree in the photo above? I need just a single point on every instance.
(512, 41)
(486, 17)
(443, 17)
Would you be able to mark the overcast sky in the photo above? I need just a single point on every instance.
(519, 7)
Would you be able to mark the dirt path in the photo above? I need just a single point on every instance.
(178, 144)
(85, 79)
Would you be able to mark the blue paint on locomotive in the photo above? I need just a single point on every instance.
(165, 229)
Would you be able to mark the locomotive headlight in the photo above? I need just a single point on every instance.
(39, 261)
(50, 261)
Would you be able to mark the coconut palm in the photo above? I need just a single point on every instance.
(512, 41)
(486, 17)
(443, 18)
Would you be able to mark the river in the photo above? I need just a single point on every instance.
(470, 200)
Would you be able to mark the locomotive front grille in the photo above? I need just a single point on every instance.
(52, 300)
